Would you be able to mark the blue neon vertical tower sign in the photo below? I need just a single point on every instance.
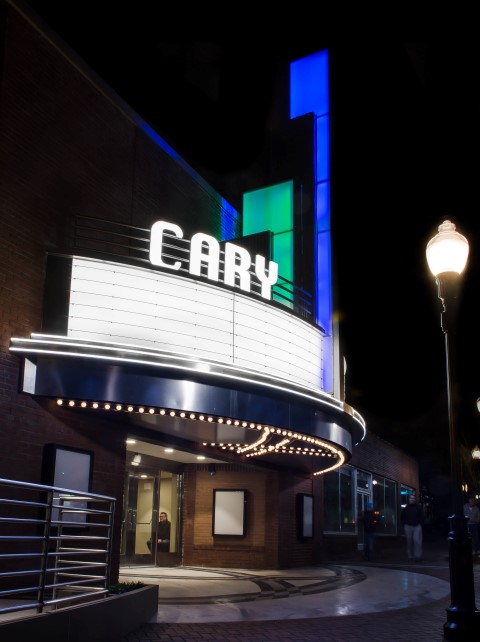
(309, 93)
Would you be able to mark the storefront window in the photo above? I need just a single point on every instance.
(347, 501)
(339, 505)
(331, 504)
(385, 502)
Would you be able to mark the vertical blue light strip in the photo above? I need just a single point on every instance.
(309, 85)
(309, 92)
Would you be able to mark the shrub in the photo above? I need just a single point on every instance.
(124, 587)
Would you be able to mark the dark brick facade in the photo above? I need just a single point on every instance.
(375, 454)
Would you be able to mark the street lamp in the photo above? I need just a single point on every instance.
(447, 254)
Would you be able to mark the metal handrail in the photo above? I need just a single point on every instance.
(51, 562)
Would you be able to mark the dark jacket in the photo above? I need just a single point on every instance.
(163, 533)
(369, 520)
(412, 515)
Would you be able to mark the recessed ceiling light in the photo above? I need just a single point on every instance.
(131, 441)
(169, 450)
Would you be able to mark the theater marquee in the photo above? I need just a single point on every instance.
(188, 339)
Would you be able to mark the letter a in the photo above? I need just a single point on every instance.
(211, 257)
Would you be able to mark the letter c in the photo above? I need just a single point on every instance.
(156, 243)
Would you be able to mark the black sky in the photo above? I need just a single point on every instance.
(405, 151)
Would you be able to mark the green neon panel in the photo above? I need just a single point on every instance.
(271, 208)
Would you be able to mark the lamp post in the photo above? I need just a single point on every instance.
(447, 254)
(475, 457)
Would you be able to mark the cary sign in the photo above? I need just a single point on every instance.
(205, 250)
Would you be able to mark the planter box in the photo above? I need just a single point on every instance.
(109, 618)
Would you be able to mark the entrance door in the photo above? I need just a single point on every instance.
(362, 499)
(170, 494)
(139, 514)
(147, 492)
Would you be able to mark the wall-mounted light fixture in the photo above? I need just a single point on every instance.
(137, 459)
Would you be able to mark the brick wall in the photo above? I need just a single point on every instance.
(377, 455)
(271, 539)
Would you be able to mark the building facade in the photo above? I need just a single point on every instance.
(171, 349)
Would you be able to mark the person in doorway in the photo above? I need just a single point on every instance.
(163, 534)
(472, 513)
(369, 524)
(412, 522)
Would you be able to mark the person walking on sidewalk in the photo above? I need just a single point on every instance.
(472, 513)
(412, 522)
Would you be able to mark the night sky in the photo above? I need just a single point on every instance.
(405, 144)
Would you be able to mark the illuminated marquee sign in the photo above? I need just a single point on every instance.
(144, 309)
(205, 249)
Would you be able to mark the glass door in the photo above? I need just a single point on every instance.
(140, 515)
(362, 499)
(148, 492)
(170, 493)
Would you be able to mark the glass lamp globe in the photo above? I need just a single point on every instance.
(447, 251)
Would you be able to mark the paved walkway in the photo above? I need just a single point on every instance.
(388, 600)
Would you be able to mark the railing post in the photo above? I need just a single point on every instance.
(45, 550)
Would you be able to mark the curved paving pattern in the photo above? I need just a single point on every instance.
(220, 595)
(264, 587)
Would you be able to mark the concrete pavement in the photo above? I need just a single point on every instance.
(387, 599)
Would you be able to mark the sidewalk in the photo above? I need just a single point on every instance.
(388, 600)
